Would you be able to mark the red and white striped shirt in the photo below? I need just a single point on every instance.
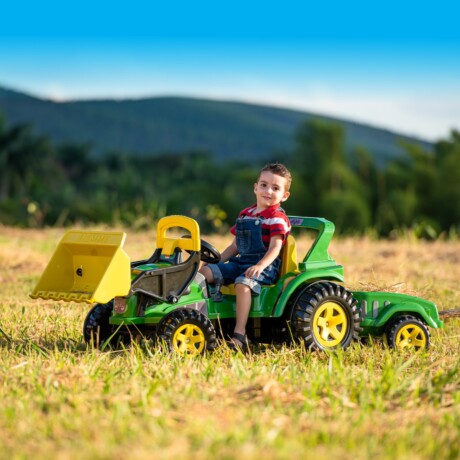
(274, 222)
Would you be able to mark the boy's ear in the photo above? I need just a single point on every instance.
(285, 196)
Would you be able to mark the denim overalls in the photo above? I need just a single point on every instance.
(251, 250)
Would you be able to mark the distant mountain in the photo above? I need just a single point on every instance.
(176, 124)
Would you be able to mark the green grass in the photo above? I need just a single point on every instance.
(62, 400)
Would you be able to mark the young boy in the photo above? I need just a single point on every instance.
(252, 258)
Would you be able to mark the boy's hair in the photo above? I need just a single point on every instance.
(280, 170)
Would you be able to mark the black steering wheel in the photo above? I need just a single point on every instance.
(208, 254)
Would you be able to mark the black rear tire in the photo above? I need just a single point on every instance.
(325, 316)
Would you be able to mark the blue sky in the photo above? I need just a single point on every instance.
(391, 65)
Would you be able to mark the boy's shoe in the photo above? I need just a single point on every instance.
(216, 295)
(242, 346)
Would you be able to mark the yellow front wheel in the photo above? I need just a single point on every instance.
(188, 332)
(408, 333)
(189, 339)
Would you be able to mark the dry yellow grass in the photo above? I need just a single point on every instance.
(61, 400)
(427, 269)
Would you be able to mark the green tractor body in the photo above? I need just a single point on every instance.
(166, 297)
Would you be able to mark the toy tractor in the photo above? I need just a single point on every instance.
(165, 297)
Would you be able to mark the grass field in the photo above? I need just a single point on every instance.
(61, 400)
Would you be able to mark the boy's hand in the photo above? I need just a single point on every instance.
(254, 271)
(276, 243)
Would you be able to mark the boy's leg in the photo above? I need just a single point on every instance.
(207, 273)
(245, 288)
(216, 275)
(243, 306)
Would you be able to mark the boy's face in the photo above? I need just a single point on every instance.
(270, 190)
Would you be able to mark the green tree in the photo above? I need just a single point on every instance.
(76, 162)
(447, 188)
(394, 188)
(324, 182)
(319, 150)
(21, 155)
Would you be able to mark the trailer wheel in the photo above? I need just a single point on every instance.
(408, 332)
(325, 316)
(187, 332)
(96, 328)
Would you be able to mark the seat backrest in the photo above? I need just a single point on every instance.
(168, 244)
(289, 257)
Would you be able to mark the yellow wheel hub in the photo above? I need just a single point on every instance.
(330, 324)
(188, 340)
(411, 336)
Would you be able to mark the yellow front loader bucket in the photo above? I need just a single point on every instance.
(87, 266)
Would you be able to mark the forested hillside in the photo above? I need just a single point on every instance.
(227, 130)
(43, 183)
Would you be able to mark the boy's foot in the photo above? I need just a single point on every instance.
(216, 295)
(238, 342)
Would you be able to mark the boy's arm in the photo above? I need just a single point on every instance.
(230, 251)
(274, 249)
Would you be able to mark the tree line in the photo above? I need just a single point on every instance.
(42, 184)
